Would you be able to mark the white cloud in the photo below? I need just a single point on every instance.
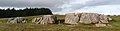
(95, 6)
(104, 9)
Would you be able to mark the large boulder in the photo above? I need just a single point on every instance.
(88, 18)
(71, 18)
(45, 19)
(17, 20)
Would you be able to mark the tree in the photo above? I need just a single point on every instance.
(8, 9)
(13, 9)
(24, 12)
(26, 9)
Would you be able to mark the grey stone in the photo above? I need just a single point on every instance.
(71, 18)
(45, 19)
(109, 18)
(88, 18)
(36, 20)
(104, 19)
(17, 20)
(100, 25)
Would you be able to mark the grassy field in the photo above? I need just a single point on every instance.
(57, 27)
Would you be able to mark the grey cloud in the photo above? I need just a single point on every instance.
(56, 5)
(103, 2)
(30, 3)
(90, 3)
(70, 7)
(53, 4)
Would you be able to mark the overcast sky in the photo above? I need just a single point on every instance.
(111, 7)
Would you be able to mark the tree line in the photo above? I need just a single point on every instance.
(24, 12)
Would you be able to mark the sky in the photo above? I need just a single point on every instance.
(107, 7)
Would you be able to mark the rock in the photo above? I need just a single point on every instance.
(36, 20)
(100, 25)
(108, 25)
(17, 20)
(88, 18)
(45, 19)
(104, 19)
(109, 18)
(11, 20)
(71, 18)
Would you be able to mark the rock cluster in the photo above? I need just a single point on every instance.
(87, 18)
(71, 18)
(16, 20)
(45, 19)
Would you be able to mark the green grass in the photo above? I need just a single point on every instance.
(57, 27)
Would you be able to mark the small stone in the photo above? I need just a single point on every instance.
(100, 25)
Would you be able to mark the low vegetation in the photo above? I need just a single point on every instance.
(57, 27)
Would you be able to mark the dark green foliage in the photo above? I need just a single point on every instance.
(24, 12)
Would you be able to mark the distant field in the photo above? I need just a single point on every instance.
(57, 27)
